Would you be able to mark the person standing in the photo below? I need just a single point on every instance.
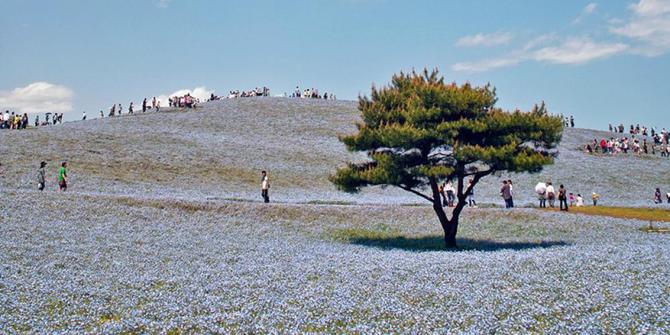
(153, 103)
(541, 190)
(144, 105)
(580, 200)
(130, 108)
(102, 115)
(595, 197)
(83, 118)
(505, 193)
(158, 105)
(449, 188)
(657, 196)
(471, 195)
(551, 195)
(265, 186)
(62, 177)
(511, 193)
(41, 176)
(562, 198)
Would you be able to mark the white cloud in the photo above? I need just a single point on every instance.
(487, 40)
(546, 49)
(588, 10)
(488, 64)
(649, 25)
(38, 97)
(577, 51)
(201, 93)
(163, 3)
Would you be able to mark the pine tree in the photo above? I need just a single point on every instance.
(419, 131)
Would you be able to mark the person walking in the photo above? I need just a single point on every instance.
(265, 186)
(41, 176)
(562, 198)
(62, 177)
(130, 108)
(551, 195)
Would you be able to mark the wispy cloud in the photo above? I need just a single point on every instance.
(163, 3)
(649, 26)
(588, 10)
(576, 50)
(486, 40)
(38, 97)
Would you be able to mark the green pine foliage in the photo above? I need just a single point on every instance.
(419, 131)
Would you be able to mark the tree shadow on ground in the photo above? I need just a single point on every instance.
(436, 243)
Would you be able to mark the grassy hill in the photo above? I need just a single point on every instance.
(218, 150)
(136, 247)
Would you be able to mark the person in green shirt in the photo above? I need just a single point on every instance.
(62, 177)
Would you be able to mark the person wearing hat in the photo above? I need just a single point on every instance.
(41, 176)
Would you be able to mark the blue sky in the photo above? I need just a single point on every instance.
(604, 62)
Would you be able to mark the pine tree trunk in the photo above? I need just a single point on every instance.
(450, 233)
(449, 227)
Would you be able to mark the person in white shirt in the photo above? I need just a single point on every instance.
(265, 186)
(551, 195)
(580, 201)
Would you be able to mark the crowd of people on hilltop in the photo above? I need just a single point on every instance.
(117, 109)
(13, 120)
(185, 101)
(312, 93)
(636, 130)
(568, 121)
(21, 121)
(257, 92)
(618, 145)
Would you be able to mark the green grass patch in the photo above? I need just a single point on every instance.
(389, 238)
(637, 213)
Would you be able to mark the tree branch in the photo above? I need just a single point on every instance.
(415, 192)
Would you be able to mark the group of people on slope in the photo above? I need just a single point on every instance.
(13, 121)
(312, 93)
(636, 130)
(62, 177)
(117, 110)
(547, 193)
(623, 145)
(257, 92)
(448, 192)
(185, 101)
(568, 121)
(658, 197)
(19, 121)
